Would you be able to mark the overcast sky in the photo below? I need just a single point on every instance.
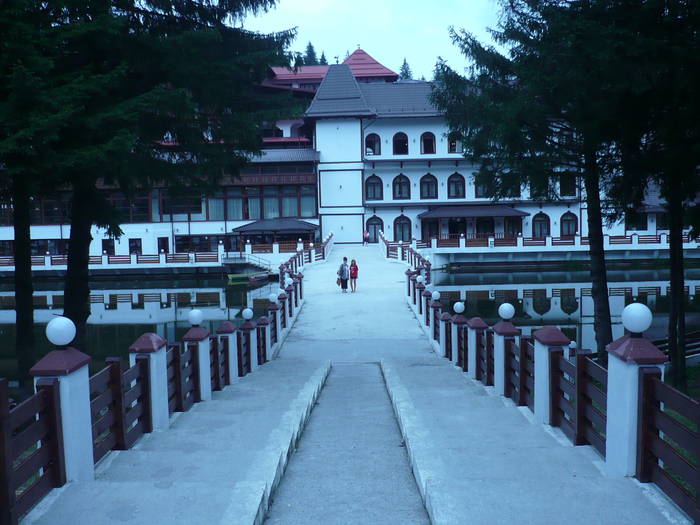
(388, 30)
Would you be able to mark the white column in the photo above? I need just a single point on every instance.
(70, 367)
(200, 336)
(501, 331)
(626, 356)
(545, 339)
(154, 348)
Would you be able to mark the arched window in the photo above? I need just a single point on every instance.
(454, 143)
(400, 144)
(540, 226)
(569, 224)
(373, 144)
(374, 190)
(427, 143)
(402, 229)
(455, 186)
(401, 187)
(374, 226)
(428, 187)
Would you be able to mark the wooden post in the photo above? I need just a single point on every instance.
(117, 388)
(646, 406)
(580, 379)
(554, 372)
(7, 493)
(144, 364)
(215, 363)
(180, 391)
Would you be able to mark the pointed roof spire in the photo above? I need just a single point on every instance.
(339, 96)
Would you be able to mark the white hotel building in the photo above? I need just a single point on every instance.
(371, 153)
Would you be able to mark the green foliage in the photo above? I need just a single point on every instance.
(405, 71)
(323, 61)
(310, 55)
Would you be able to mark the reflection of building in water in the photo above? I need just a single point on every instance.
(568, 305)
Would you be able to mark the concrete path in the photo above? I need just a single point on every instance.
(475, 459)
(350, 465)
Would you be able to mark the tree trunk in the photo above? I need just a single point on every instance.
(676, 320)
(24, 288)
(599, 275)
(77, 287)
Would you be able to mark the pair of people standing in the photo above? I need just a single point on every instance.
(346, 273)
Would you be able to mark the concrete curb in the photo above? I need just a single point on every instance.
(251, 498)
(426, 463)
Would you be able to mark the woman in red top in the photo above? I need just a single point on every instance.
(353, 275)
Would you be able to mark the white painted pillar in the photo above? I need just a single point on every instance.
(545, 339)
(226, 332)
(70, 367)
(501, 331)
(626, 356)
(200, 336)
(473, 325)
(154, 348)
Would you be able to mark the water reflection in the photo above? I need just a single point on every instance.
(564, 299)
(123, 310)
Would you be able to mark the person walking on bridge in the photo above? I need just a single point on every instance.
(344, 275)
(354, 269)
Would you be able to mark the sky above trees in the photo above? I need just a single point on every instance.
(389, 30)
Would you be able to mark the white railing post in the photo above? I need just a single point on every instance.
(474, 325)
(502, 329)
(154, 348)
(200, 336)
(546, 339)
(70, 367)
(626, 356)
(226, 332)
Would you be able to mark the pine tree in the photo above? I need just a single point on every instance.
(323, 61)
(310, 55)
(154, 93)
(405, 71)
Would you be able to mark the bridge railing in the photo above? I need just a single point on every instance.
(639, 425)
(115, 407)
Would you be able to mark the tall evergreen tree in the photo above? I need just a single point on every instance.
(147, 92)
(405, 71)
(323, 61)
(310, 55)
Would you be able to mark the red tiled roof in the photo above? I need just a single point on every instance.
(361, 64)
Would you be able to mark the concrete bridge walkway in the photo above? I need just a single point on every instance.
(476, 460)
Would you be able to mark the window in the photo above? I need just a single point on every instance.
(251, 202)
(108, 246)
(7, 248)
(427, 143)
(540, 226)
(402, 187)
(569, 224)
(455, 186)
(454, 143)
(308, 201)
(373, 144)
(400, 144)
(481, 189)
(374, 226)
(271, 203)
(163, 245)
(635, 220)
(135, 246)
(485, 226)
(402, 229)
(428, 187)
(374, 190)
(181, 206)
(567, 185)
(512, 227)
(290, 202)
(662, 221)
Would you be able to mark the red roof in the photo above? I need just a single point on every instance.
(361, 64)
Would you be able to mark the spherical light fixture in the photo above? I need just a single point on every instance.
(195, 317)
(420, 279)
(636, 318)
(247, 314)
(311, 245)
(280, 291)
(272, 297)
(60, 331)
(458, 307)
(436, 296)
(506, 311)
(288, 281)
